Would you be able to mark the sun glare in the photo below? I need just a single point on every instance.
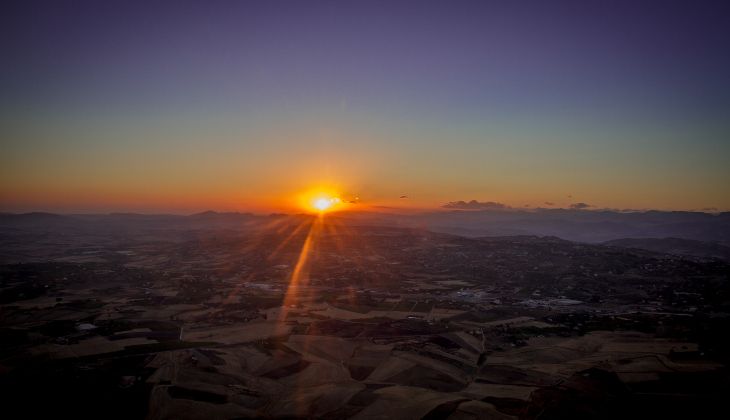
(321, 200)
(323, 204)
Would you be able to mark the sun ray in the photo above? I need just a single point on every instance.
(299, 275)
(299, 227)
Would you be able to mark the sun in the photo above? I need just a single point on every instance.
(322, 204)
(325, 203)
(321, 199)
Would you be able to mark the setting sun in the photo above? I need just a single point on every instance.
(323, 204)
(321, 199)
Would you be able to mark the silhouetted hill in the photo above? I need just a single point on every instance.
(38, 220)
(128, 221)
(573, 225)
(675, 246)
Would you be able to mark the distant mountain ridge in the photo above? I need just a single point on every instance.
(675, 246)
(575, 225)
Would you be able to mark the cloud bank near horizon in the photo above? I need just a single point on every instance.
(475, 205)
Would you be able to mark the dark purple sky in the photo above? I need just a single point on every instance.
(430, 56)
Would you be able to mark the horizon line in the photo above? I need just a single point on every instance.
(402, 211)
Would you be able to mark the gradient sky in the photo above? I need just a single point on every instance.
(237, 105)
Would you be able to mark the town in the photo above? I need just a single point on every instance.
(296, 317)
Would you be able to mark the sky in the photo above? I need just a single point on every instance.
(185, 106)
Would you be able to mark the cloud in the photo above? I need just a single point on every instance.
(579, 206)
(549, 203)
(475, 205)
